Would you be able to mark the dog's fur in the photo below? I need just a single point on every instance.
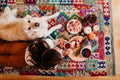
(26, 28)
(8, 16)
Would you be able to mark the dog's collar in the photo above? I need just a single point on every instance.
(28, 58)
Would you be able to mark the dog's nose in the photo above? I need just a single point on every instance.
(37, 24)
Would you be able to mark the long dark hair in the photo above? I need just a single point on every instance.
(50, 58)
(44, 57)
(36, 48)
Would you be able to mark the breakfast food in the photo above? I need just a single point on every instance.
(74, 26)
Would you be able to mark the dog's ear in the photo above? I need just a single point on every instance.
(14, 11)
(7, 10)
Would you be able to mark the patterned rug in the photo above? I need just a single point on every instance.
(92, 21)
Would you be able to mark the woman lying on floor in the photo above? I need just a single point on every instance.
(37, 53)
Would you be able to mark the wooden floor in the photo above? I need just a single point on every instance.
(116, 27)
(4, 77)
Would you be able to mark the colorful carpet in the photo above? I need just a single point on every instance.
(96, 57)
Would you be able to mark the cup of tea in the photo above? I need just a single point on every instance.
(67, 45)
(86, 52)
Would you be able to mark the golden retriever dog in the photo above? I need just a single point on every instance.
(27, 28)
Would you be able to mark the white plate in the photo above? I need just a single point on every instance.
(72, 55)
(74, 26)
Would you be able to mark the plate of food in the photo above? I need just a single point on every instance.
(78, 52)
(74, 26)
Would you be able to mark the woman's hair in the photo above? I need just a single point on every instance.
(44, 57)
(50, 58)
(36, 48)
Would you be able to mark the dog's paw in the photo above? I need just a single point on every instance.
(59, 26)
(56, 14)
(14, 11)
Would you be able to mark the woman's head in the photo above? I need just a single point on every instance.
(50, 58)
(36, 48)
(44, 57)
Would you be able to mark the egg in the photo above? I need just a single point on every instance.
(87, 30)
(96, 28)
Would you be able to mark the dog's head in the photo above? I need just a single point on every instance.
(35, 26)
(32, 22)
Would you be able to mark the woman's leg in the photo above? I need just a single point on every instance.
(12, 61)
(12, 54)
(3, 49)
(12, 48)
